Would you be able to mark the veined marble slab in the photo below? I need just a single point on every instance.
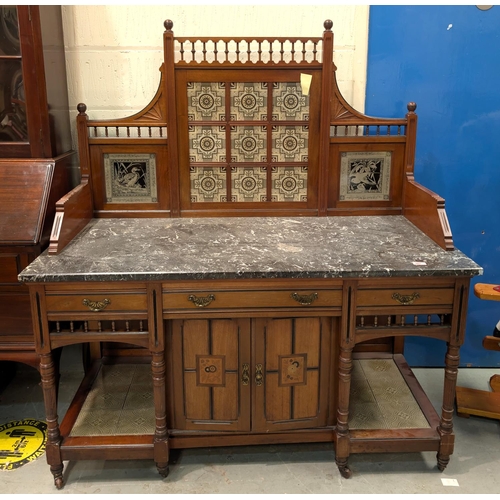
(249, 247)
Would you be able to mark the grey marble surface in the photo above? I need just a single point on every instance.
(260, 247)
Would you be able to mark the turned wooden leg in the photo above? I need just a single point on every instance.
(342, 429)
(53, 446)
(445, 427)
(161, 450)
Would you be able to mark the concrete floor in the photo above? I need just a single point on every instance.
(276, 469)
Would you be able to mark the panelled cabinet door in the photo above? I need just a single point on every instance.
(211, 363)
(291, 373)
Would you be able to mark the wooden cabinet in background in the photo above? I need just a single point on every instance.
(35, 157)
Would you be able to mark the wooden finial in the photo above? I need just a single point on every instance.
(412, 106)
(168, 25)
(81, 108)
(328, 24)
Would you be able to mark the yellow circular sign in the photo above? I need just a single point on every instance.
(21, 441)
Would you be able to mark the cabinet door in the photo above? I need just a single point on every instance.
(291, 373)
(210, 373)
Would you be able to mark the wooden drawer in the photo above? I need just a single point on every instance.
(405, 297)
(251, 299)
(96, 303)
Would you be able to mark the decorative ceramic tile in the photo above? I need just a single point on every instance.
(390, 389)
(249, 184)
(136, 421)
(365, 175)
(366, 416)
(289, 103)
(403, 415)
(292, 370)
(361, 391)
(289, 184)
(357, 372)
(208, 184)
(114, 377)
(100, 399)
(376, 368)
(290, 144)
(139, 396)
(130, 178)
(206, 101)
(382, 399)
(248, 144)
(120, 401)
(207, 144)
(96, 423)
(142, 374)
(249, 101)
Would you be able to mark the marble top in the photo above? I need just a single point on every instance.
(248, 247)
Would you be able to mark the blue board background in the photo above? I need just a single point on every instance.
(447, 60)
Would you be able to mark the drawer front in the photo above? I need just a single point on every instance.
(96, 303)
(407, 297)
(251, 299)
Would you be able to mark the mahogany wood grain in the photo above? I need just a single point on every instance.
(183, 440)
(426, 210)
(327, 76)
(250, 299)
(24, 196)
(73, 213)
(252, 365)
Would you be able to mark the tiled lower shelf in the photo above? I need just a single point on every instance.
(381, 399)
(120, 402)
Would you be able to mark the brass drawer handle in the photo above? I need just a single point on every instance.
(259, 378)
(245, 376)
(304, 300)
(405, 299)
(96, 306)
(201, 301)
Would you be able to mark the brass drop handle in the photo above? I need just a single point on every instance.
(201, 301)
(304, 300)
(405, 299)
(245, 376)
(96, 306)
(259, 377)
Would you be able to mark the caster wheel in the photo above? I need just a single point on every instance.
(345, 472)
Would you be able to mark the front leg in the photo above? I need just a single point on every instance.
(342, 429)
(161, 450)
(53, 447)
(445, 427)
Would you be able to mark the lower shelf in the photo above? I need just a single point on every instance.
(389, 410)
(381, 398)
(120, 402)
(112, 414)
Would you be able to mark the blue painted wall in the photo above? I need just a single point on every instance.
(447, 60)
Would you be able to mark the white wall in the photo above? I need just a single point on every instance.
(113, 52)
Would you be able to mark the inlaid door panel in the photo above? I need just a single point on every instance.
(294, 355)
(210, 361)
